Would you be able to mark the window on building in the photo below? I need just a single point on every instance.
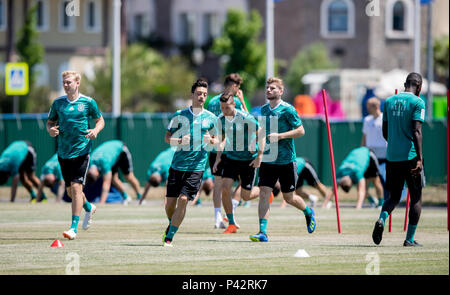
(398, 19)
(42, 74)
(2, 15)
(337, 19)
(399, 16)
(66, 21)
(186, 28)
(93, 16)
(210, 27)
(42, 15)
(139, 25)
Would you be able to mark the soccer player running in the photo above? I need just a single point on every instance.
(105, 162)
(19, 161)
(232, 82)
(68, 120)
(192, 130)
(279, 159)
(239, 132)
(404, 114)
(51, 177)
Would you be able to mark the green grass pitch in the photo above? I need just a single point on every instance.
(127, 240)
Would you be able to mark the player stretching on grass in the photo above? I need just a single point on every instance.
(239, 130)
(51, 177)
(283, 166)
(232, 82)
(68, 120)
(19, 161)
(404, 114)
(192, 130)
(105, 162)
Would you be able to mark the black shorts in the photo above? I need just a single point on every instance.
(74, 169)
(234, 169)
(183, 183)
(29, 164)
(399, 172)
(124, 162)
(212, 160)
(373, 170)
(309, 174)
(269, 174)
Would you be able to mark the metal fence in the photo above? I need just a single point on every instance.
(143, 133)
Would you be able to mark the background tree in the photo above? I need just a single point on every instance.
(246, 55)
(31, 51)
(441, 53)
(149, 82)
(313, 57)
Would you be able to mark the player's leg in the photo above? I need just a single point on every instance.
(415, 184)
(288, 182)
(395, 180)
(28, 186)
(190, 185)
(268, 177)
(227, 184)
(132, 180)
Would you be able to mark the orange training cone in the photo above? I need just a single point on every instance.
(57, 243)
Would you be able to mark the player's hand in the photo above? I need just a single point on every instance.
(216, 163)
(54, 131)
(256, 162)
(273, 137)
(416, 171)
(207, 138)
(91, 134)
(240, 95)
(185, 140)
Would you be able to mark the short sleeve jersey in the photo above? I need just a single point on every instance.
(192, 157)
(106, 155)
(240, 132)
(287, 119)
(52, 167)
(161, 163)
(373, 131)
(214, 107)
(73, 120)
(355, 164)
(13, 156)
(399, 112)
(300, 164)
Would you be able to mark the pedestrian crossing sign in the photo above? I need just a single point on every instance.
(16, 79)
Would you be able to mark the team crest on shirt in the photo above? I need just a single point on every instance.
(81, 107)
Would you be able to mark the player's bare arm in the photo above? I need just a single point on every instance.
(52, 128)
(417, 139)
(99, 125)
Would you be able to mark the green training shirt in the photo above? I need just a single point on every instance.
(73, 120)
(300, 164)
(161, 163)
(13, 156)
(106, 155)
(52, 167)
(192, 157)
(400, 111)
(237, 135)
(287, 118)
(355, 164)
